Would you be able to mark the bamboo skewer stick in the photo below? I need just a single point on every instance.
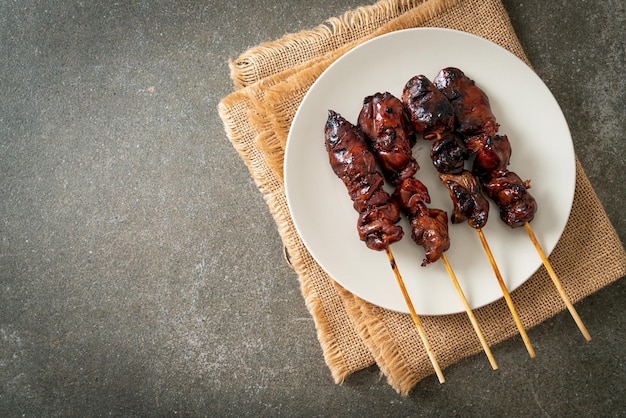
(470, 314)
(418, 324)
(506, 294)
(557, 282)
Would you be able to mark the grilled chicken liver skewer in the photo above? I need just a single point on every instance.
(355, 165)
(353, 162)
(390, 136)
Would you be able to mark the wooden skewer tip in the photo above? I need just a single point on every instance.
(416, 321)
(507, 296)
(470, 313)
(557, 282)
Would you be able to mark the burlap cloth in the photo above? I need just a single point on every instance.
(270, 81)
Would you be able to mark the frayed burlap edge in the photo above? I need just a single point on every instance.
(292, 49)
(355, 26)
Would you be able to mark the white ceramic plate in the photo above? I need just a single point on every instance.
(322, 210)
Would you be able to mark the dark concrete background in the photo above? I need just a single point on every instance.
(141, 273)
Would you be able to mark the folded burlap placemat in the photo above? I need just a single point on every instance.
(270, 81)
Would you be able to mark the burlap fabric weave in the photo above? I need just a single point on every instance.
(270, 81)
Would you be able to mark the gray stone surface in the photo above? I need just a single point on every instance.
(141, 273)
